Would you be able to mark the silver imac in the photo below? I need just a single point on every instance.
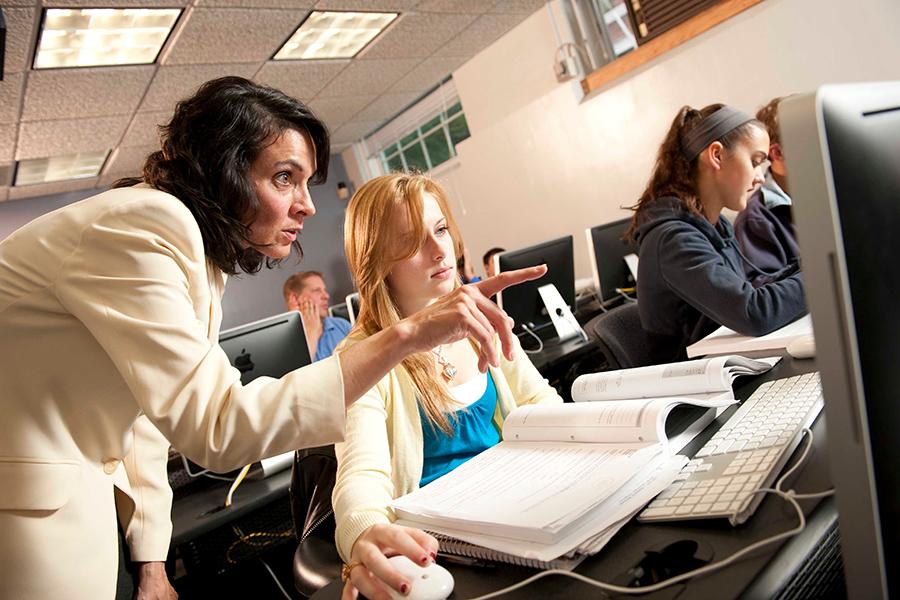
(842, 145)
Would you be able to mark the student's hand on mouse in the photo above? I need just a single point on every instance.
(371, 573)
(468, 311)
(153, 584)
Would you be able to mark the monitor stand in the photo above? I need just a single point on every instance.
(564, 321)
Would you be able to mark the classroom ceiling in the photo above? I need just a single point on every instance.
(55, 112)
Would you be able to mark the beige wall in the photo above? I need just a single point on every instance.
(541, 164)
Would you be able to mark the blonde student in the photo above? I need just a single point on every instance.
(437, 408)
(692, 275)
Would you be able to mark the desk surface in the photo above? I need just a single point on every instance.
(628, 547)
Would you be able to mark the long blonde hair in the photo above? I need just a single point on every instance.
(373, 244)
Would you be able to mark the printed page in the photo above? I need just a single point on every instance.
(724, 340)
(673, 379)
(593, 531)
(526, 490)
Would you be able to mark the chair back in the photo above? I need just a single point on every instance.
(625, 342)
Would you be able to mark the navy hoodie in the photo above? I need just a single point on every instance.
(691, 279)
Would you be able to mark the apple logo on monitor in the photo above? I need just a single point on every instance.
(242, 361)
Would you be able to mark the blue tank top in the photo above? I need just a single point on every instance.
(473, 432)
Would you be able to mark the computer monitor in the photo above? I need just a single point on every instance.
(273, 346)
(842, 146)
(352, 302)
(607, 252)
(339, 310)
(523, 302)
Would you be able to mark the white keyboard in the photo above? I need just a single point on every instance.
(746, 454)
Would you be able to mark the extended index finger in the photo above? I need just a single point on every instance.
(501, 281)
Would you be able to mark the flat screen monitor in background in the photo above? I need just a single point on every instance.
(339, 310)
(843, 158)
(352, 303)
(271, 347)
(523, 302)
(607, 257)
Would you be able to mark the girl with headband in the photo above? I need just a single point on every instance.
(691, 272)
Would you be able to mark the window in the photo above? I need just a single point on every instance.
(428, 145)
(422, 136)
(615, 25)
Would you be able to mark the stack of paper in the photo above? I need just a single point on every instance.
(726, 341)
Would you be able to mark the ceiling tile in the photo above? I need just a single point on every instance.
(119, 3)
(172, 84)
(294, 4)
(428, 74)
(469, 7)
(70, 93)
(528, 7)
(337, 111)
(10, 96)
(233, 35)
(368, 5)
(352, 131)
(144, 129)
(368, 77)
(38, 139)
(417, 35)
(301, 79)
(6, 174)
(19, 27)
(56, 187)
(486, 29)
(128, 162)
(385, 106)
(7, 141)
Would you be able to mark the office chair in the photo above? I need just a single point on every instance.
(316, 560)
(625, 344)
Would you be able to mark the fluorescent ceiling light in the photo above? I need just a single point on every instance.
(334, 34)
(60, 168)
(89, 37)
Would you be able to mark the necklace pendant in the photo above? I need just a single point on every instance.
(449, 372)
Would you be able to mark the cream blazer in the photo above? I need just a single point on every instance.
(110, 312)
(382, 458)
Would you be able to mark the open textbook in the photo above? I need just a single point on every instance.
(568, 476)
(726, 341)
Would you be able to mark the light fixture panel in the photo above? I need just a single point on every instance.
(59, 168)
(329, 34)
(91, 37)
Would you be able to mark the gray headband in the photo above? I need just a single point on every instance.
(711, 128)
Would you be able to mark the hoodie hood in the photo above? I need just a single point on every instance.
(669, 208)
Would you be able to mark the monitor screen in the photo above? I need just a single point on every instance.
(607, 257)
(842, 146)
(523, 302)
(273, 346)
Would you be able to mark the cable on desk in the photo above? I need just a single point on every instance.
(237, 482)
(540, 342)
(269, 539)
(203, 473)
(788, 496)
(275, 577)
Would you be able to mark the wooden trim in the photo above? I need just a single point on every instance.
(665, 42)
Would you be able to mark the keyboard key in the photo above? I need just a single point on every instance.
(702, 508)
(719, 507)
(655, 512)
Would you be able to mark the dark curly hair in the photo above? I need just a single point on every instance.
(675, 175)
(207, 150)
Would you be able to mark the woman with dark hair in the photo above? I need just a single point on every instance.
(691, 272)
(109, 319)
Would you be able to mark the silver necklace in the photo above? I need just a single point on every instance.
(448, 371)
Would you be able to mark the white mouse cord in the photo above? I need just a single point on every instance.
(788, 496)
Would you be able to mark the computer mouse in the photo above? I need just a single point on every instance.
(433, 582)
(803, 346)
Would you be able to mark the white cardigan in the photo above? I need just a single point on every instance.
(109, 311)
(381, 457)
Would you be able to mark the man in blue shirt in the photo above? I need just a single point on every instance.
(306, 292)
